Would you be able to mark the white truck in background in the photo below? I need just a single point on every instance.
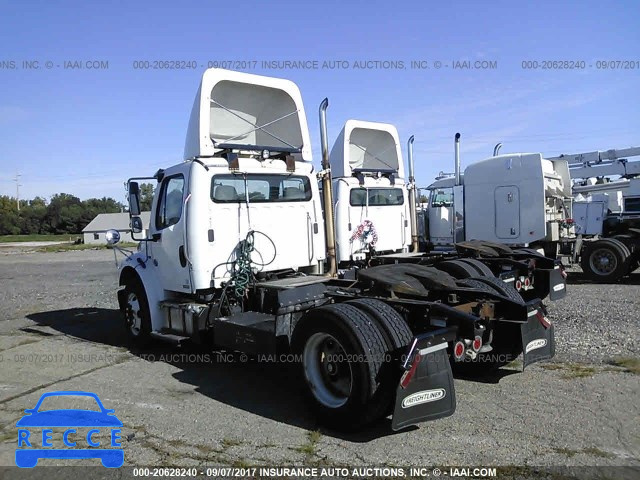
(503, 204)
(370, 191)
(240, 254)
(598, 225)
(606, 213)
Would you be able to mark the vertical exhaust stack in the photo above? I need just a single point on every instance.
(327, 192)
(457, 156)
(412, 197)
(496, 149)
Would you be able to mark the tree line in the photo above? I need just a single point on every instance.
(62, 214)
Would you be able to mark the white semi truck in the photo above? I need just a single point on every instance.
(597, 222)
(240, 254)
(580, 215)
(376, 219)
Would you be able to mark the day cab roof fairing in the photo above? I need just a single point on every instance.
(234, 110)
(368, 147)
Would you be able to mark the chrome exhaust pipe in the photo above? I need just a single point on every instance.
(412, 197)
(496, 149)
(327, 192)
(457, 157)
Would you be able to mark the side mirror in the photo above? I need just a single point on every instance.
(134, 199)
(136, 224)
(112, 236)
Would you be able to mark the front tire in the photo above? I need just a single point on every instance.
(137, 318)
(342, 352)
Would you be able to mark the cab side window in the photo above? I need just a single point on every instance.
(170, 202)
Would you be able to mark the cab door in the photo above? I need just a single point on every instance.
(167, 227)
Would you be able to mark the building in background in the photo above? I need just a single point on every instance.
(95, 231)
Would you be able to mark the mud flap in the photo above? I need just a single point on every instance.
(557, 285)
(538, 341)
(426, 390)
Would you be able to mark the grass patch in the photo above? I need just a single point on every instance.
(240, 463)
(571, 370)
(66, 237)
(552, 366)
(310, 448)
(230, 442)
(593, 451)
(515, 364)
(629, 364)
(575, 370)
(65, 247)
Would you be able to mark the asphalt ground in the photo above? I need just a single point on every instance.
(60, 330)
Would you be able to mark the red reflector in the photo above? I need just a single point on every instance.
(408, 375)
(518, 285)
(526, 282)
(477, 344)
(543, 320)
(458, 350)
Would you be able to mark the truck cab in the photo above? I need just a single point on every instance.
(370, 191)
(247, 167)
(519, 199)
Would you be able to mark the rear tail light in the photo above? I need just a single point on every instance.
(408, 375)
(527, 282)
(477, 344)
(543, 320)
(458, 350)
(518, 284)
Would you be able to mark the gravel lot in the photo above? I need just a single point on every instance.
(60, 330)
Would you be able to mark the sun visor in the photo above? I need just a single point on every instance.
(234, 110)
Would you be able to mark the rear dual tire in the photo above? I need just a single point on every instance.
(347, 365)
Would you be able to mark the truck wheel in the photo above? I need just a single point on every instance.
(393, 327)
(457, 269)
(502, 288)
(480, 267)
(605, 260)
(629, 241)
(342, 353)
(397, 335)
(137, 319)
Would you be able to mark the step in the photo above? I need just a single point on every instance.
(169, 337)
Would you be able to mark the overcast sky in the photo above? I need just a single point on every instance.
(84, 131)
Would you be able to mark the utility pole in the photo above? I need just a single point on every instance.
(18, 185)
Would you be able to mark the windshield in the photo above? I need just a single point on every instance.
(262, 188)
(375, 197)
(245, 115)
(442, 198)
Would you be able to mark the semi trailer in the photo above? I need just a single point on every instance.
(240, 254)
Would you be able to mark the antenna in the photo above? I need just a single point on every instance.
(18, 185)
